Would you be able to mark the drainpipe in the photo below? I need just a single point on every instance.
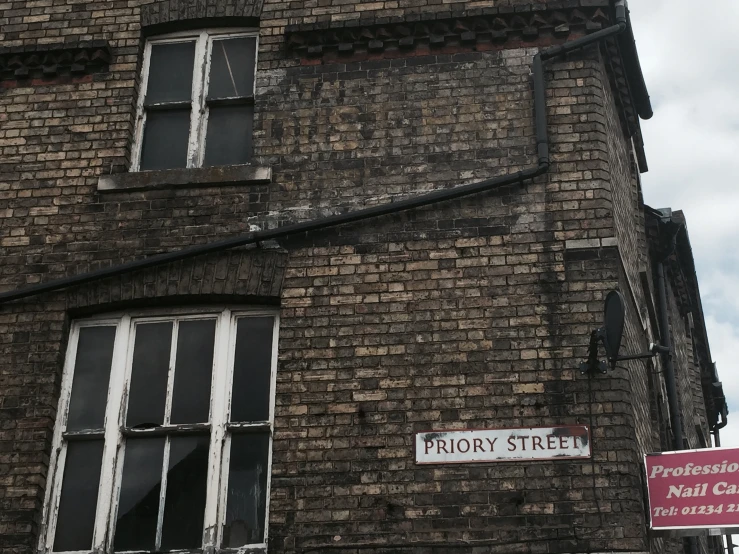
(717, 441)
(666, 341)
(669, 368)
(542, 167)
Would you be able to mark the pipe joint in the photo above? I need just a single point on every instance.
(621, 10)
(543, 153)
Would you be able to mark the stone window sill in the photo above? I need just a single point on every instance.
(185, 178)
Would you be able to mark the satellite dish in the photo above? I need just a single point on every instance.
(610, 336)
(613, 324)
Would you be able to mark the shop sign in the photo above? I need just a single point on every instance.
(694, 489)
(502, 445)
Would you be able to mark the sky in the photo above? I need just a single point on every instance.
(689, 58)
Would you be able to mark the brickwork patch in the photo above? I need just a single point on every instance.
(50, 61)
(243, 274)
(167, 11)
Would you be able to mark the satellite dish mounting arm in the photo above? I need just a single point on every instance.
(610, 336)
(593, 364)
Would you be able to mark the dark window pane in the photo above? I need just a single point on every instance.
(165, 139)
(247, 490)
(193, 369)
(170, 72)
(148, 393)
(252, 369)
(232, 68)
(138, 506)
(91, 376)
(76, 519)
(228, 140)
(184, 506)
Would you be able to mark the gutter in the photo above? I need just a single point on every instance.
(634, 75)
(542, 167)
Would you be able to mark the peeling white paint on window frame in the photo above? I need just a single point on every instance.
(199, 110)
(115, 413)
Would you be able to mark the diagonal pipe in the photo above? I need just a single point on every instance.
(542, 167)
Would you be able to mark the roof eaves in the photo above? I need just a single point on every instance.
(634, 74)
(685, 280)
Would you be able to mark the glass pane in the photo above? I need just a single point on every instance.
(148, 393)
(76, 519)
(170, 72)
(165, 139)
(247, 490)
(252, 369)
(184, 507)
(228, 140)
(232, 68)
(91, 376)
(193, 369)
(138, 506)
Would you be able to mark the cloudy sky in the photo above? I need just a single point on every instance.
(689, 58)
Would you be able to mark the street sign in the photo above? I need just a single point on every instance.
(502, 445)
(694, 489)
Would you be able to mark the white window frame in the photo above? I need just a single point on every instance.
(200, 81)
(220, 429)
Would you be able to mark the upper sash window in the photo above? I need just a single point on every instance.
(196, 104)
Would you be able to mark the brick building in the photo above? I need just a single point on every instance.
(250, 248)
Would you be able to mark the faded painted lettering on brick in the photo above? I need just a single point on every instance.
(500, 445)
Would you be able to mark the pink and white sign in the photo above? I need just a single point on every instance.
(502, 445)
(694, 489)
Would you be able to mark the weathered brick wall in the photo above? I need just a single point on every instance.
(688, 374)
(32, 339)
(393, 128)
(625, 209)
(628, 228)
(475, 313)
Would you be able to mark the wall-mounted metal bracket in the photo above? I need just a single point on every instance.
(610, 335)
(594, 365)
(654, 350)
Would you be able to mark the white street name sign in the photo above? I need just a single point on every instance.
(502, 445)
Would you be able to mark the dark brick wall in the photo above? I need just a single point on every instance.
(689, 391)
(471, 314)
(628, 228)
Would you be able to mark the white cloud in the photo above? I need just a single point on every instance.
(724, 338)
(719, 298)
(692, 146)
